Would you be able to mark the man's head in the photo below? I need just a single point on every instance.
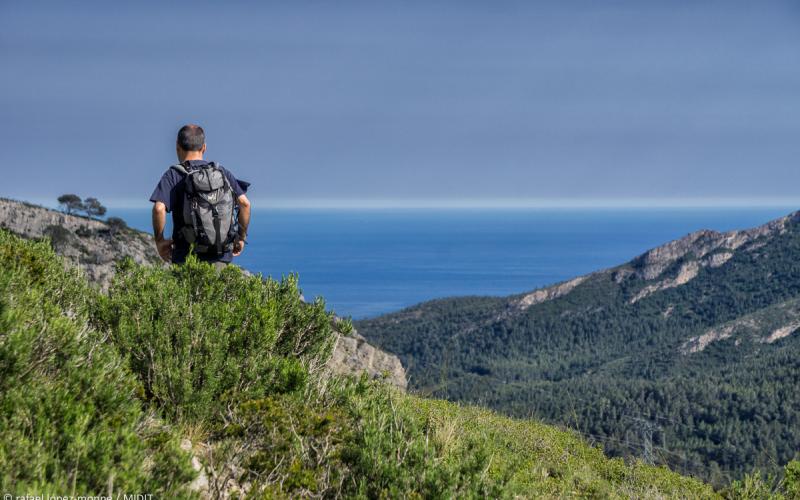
(191, 142)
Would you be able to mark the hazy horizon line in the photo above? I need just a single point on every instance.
(483, 203)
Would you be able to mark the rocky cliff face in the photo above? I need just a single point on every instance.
(354, 355)
(92, 245)
(95, 247)
(705, 243)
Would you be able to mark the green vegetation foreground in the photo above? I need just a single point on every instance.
(100, 394)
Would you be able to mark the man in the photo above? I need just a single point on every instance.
(181, 191)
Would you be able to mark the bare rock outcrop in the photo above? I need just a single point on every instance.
(699, 343)
(549, 293)
(653, 263)
(765, 326)
(781, 332)
(687, 272)
(353, 355)
(717, 259)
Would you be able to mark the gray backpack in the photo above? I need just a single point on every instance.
(208, 209)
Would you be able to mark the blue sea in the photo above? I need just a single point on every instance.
(370, 262)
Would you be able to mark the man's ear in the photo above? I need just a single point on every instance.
(203, 149)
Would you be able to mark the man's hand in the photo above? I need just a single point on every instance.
(164, 247)
(238, 247)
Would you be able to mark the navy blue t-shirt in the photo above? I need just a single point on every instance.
(171, 192)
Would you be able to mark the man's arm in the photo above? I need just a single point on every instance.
(244, 223)
(163, 245)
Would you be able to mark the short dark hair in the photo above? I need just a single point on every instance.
(191, 138)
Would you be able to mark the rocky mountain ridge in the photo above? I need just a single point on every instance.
(703, 248)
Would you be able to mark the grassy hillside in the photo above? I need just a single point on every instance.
(688, 355)
(122, 392)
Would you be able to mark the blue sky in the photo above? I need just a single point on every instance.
(408, 103)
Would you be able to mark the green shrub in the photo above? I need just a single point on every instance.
(203, 340)
(235, 353)
(354, 439)
(395, 452)
(755, 486)
(69, 420)
(284, 446)
(791, 479)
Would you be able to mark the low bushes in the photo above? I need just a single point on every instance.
(69, 417)
(755, 486)
(202, 341)
(355, 439)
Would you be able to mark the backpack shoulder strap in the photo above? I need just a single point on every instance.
(216, 166)
(180, 168)
(224, 175)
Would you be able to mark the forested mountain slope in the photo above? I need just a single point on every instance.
(688, 355)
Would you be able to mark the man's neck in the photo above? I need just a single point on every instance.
(192, 156)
